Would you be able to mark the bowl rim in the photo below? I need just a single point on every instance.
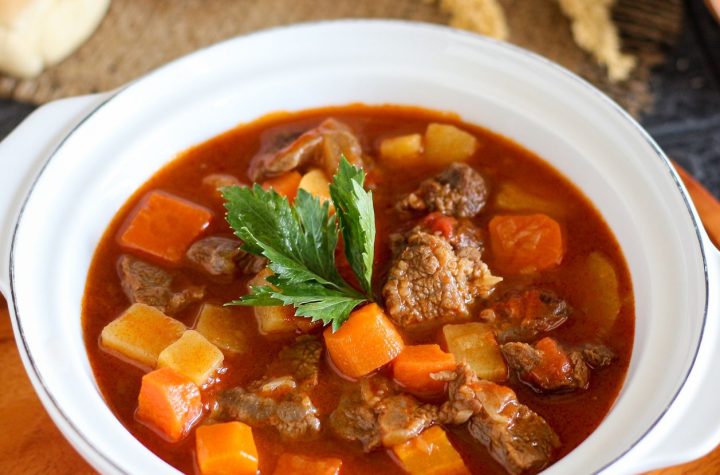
(77, 437)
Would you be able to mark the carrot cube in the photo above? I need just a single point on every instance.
(164, 226)
(141, 333)
(431, 453)
(169, 403)
(295, 464)
(364, 343)
(226, 449)
(413, 367)
(523, 244)
(286, 184)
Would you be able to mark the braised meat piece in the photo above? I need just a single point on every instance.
(376, 414)
(151, 285)
(460, 233)
(597, 356)
(291, 413)
(301, 361)
(522, 316)
(320, 147)
(431, 280)
(457, 191)
(281, 399)
(515, 436)
(547, 366)
(221, 256)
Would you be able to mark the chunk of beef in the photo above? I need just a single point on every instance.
(292, 414)
(515, 436)
(151, 285)
(460, 233)
(221, 256)
(457, 191)
(547, 366)
(281, 399)
(301, 361)
(375, 414)
(320, 147)
(522, 316)
(430, 280)
(597, 356)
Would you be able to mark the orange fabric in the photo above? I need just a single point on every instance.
(525, 243)
(286, 184)
(164, 226)
(431, 453)
(412, 368)
(364, 343)
(169, 403)
(226, 449)
(295, 464)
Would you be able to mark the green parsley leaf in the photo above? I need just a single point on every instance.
(354, 207)
(300, 240)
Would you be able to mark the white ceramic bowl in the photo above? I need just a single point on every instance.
(69, 167)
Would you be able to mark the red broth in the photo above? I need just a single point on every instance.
(572, 415)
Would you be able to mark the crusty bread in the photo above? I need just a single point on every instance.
(35, 34)
(595, 32)
(482, 16)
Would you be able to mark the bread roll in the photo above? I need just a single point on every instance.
(35, 34)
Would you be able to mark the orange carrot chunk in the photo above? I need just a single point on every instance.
(413, 367)
(364, 343)
(169, 403)
(523, 244)
(295, 464)
(431, 453)
(286, 184)
(164, 226)
(226, 449)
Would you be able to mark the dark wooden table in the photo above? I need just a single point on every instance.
(685, 122)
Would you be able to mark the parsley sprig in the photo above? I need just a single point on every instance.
(299, 241)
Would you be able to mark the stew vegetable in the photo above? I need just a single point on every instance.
(359, 290)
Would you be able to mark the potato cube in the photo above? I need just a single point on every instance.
(223, 328)
(475, 343)
(445, 144)
(431, 453)
(316, 183)
(405, 150)
(272, 319)
(599, 299)
(141, 333)
(512, 197)
(192, 356)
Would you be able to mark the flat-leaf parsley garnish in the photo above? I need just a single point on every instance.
(299, 241)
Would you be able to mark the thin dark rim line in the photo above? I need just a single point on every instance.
(405, 23)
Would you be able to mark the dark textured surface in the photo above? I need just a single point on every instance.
(686, 117)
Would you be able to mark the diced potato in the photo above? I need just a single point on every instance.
(316, 183)
(475, 343)
(445, 144)
(272, 319)
(513, 198)
(141, 333)
(431, 453)
(599, 298)
(405, 150)
(192, 356)
(223, 328)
